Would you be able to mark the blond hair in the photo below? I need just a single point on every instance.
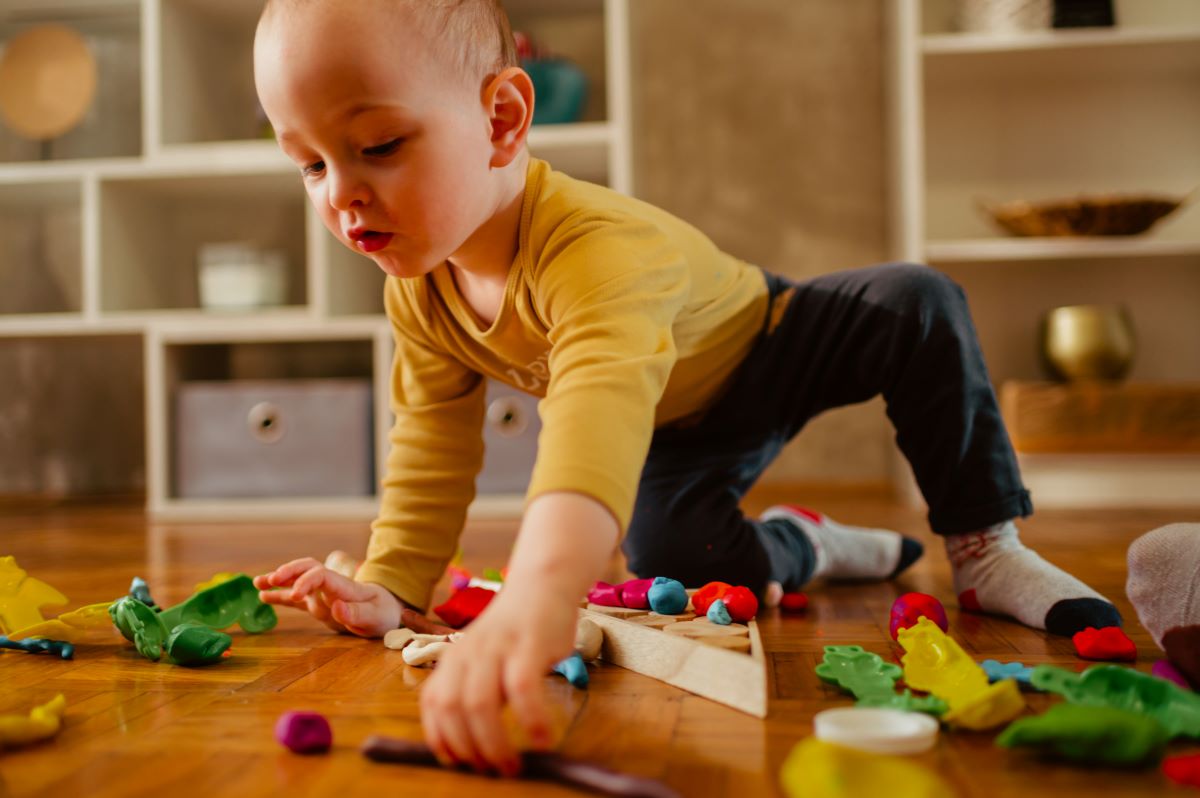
(473, 35)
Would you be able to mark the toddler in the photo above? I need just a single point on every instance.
(670, 373)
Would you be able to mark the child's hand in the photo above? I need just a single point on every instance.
(362, 608)
(502, 659)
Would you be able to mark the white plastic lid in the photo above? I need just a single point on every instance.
(880, 731)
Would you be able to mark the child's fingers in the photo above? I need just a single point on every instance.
(333, 585)
(482, 703)
(286, 574)
(523, 689)
(441, 714)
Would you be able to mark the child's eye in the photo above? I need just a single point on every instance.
(384, 149)
(313, 168)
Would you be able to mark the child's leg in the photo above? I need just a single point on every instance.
(687, 524)
(904, 331)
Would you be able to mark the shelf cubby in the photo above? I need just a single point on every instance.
(41, 248)
(151, 229)
(72, 420)
(112, 126)
(206, 91)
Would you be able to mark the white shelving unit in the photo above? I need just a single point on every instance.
(100, 238)
(1044, 115)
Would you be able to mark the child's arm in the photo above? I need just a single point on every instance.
(564, 545)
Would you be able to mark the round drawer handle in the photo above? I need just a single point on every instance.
(265, 422)
(507, 416)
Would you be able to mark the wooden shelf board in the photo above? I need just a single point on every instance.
(950, 44)
(994, 250)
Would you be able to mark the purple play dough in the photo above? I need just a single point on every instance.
(1163, 669)
(304, 732)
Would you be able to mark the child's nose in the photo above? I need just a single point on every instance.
(346, 189)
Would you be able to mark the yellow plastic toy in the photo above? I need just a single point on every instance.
(21, 596)
(42, 723)
(817, 769)
(935, 663)
(70, 626)
(218, 579)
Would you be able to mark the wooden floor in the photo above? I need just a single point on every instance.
(138, 728)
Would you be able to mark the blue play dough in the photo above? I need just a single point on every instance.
(573, 668)
(997, 671)
(667, 596)
(718, 613)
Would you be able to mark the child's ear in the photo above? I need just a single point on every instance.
(508, 99)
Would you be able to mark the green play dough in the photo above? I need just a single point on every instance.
(1176, 709)
(221, 606)
(1093, 734)
(140, 625)
(192, 643)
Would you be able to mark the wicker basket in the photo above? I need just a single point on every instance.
(1100, 215)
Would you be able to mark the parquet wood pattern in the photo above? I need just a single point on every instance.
(135, 728)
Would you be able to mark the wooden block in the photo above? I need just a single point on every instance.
(1095, 417)
(656, 621)
(698, 630)
(616, 612)
(740, 628)
(702, 666)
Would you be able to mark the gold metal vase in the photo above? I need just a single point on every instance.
(1088, 342)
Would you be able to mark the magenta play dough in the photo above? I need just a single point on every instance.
(304, 732)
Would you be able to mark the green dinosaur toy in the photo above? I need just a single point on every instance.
(859, 672)
(1178, 710)
(1094, 734)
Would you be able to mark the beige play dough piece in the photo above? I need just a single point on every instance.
(342, 563)
(47, 81)
(588, 639)
(398, 638)
(427, 649)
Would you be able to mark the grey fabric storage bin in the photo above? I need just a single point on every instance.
(510, 432)
(274, 438)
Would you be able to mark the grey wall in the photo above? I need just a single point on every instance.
(761, 122)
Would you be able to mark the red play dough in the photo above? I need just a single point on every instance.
(1183, 769)
(703, 598)
(793, 602)
(1109, 643)
(464, 606)
(911, 607)
(968, 601)
(635, 593)
(605, 595)
(741, 603)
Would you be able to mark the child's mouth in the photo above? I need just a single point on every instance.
(371, 240)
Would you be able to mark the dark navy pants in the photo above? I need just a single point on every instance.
(900, 330)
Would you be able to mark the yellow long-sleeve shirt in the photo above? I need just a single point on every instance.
(618, 315)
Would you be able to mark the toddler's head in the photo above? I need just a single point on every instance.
(407, 118)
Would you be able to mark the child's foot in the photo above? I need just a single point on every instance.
(994, 572)
(825, 548)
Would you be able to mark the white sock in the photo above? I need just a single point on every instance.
(994, 572)
(846, 552)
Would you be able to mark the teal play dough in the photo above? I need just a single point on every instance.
(667, 596)
(718, 614)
